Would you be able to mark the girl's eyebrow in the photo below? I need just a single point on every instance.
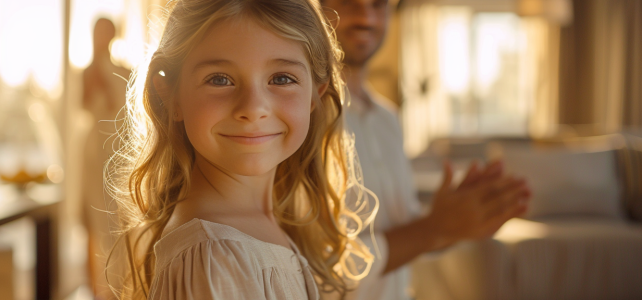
(210, 62)
(276, 61)
(289, 62)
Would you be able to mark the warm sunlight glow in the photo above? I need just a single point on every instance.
(129, 45)
(80, 46)
(516, 230)
(118, 49)
(454, 43)
(55, 173)
(495, 35)
(37, 112)
(31, 43)
(134, 36)
(84, 14)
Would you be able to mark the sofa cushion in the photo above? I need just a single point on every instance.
(566, 182)
(630, 168)
(575, 259)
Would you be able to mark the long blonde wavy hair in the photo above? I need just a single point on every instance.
(150, 172)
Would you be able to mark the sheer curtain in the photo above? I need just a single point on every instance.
(601, 67)
(425, 110)
(618, 64)
(544, 62)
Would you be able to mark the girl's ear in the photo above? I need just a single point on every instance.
(320, 92)
(162, 89)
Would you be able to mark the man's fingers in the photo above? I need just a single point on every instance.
(499, 186)
(494, 223)
(507, 201)
(472, 175)
(476, 174)
(500, 207)
(493, 170)
(520, 209)
(448, 178)
(516, 211)
(507, 195)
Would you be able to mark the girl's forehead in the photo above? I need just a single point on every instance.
(242, 38)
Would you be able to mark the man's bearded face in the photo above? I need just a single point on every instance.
(360, 27)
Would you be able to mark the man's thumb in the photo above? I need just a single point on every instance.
(448, 178)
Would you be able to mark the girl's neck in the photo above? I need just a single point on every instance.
(232, 192)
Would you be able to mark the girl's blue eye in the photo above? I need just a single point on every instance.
(220, 80)
(282, 80)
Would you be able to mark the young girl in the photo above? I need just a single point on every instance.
(233, 174)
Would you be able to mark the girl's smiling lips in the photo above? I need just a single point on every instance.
(255, 138)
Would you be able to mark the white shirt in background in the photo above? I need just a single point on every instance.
(387, 173)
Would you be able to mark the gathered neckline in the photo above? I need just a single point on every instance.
(294, 249)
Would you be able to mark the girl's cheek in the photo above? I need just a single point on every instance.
(202, 112)
(296, 106)
(296, 115)
(208, 103)
(294, 96)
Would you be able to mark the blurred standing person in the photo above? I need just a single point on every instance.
(103, 96)
(476, 209)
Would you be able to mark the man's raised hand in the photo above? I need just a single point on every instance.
(480, 205)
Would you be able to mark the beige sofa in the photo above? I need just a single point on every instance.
(581, 239)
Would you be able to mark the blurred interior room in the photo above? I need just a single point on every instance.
(551, 87)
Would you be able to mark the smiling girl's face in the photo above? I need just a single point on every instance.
(245, 96)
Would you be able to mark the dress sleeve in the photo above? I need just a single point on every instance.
(211, 269)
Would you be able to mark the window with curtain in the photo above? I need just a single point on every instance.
(470, 72)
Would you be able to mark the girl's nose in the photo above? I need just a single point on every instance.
(252, 105)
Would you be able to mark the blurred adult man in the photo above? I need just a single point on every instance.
(476, 209)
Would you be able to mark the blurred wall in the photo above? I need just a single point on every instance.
(383, 71)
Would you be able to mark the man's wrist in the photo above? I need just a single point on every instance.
(436, 237)
(408, 241)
